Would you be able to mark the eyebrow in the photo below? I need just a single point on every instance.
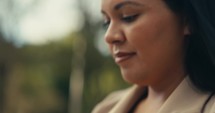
(120, 5)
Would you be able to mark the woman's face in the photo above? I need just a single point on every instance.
(145, 38)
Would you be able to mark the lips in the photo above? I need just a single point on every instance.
(123, 56)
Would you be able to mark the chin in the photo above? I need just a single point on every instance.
(134, 78)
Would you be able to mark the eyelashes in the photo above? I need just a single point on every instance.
(129, 19)
(106, 24)
(124, 19)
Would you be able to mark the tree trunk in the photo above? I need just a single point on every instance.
(77, 76)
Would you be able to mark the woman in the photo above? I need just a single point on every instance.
(166, 49)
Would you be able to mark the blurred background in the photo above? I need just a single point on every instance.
(53, 58)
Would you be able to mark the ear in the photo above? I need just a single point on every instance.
(186, 27)
(186, 30)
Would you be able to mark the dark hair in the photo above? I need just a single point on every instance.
(200, 57)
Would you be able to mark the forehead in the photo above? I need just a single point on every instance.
(110, 4)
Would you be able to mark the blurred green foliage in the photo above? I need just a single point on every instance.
(36, 79)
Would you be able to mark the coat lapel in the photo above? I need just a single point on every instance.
(184, 99)
(129, 99)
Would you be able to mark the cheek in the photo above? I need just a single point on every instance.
(157, 41)
(151, 34)
(143, 38)
(143, 35)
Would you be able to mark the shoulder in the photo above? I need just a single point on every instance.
(109, 102)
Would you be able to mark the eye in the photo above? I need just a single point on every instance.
(106, 24)
(130, 18)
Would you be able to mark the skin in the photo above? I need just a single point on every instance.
(152, 40)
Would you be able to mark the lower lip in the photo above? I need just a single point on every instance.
(119, 60)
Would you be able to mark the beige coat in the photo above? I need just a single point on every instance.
(184, 99)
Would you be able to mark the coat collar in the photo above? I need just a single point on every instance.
(184, 99)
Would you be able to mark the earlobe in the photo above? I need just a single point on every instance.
(187, 30)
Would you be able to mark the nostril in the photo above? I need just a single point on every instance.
(117, 42)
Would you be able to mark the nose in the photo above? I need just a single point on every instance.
(115, 35)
